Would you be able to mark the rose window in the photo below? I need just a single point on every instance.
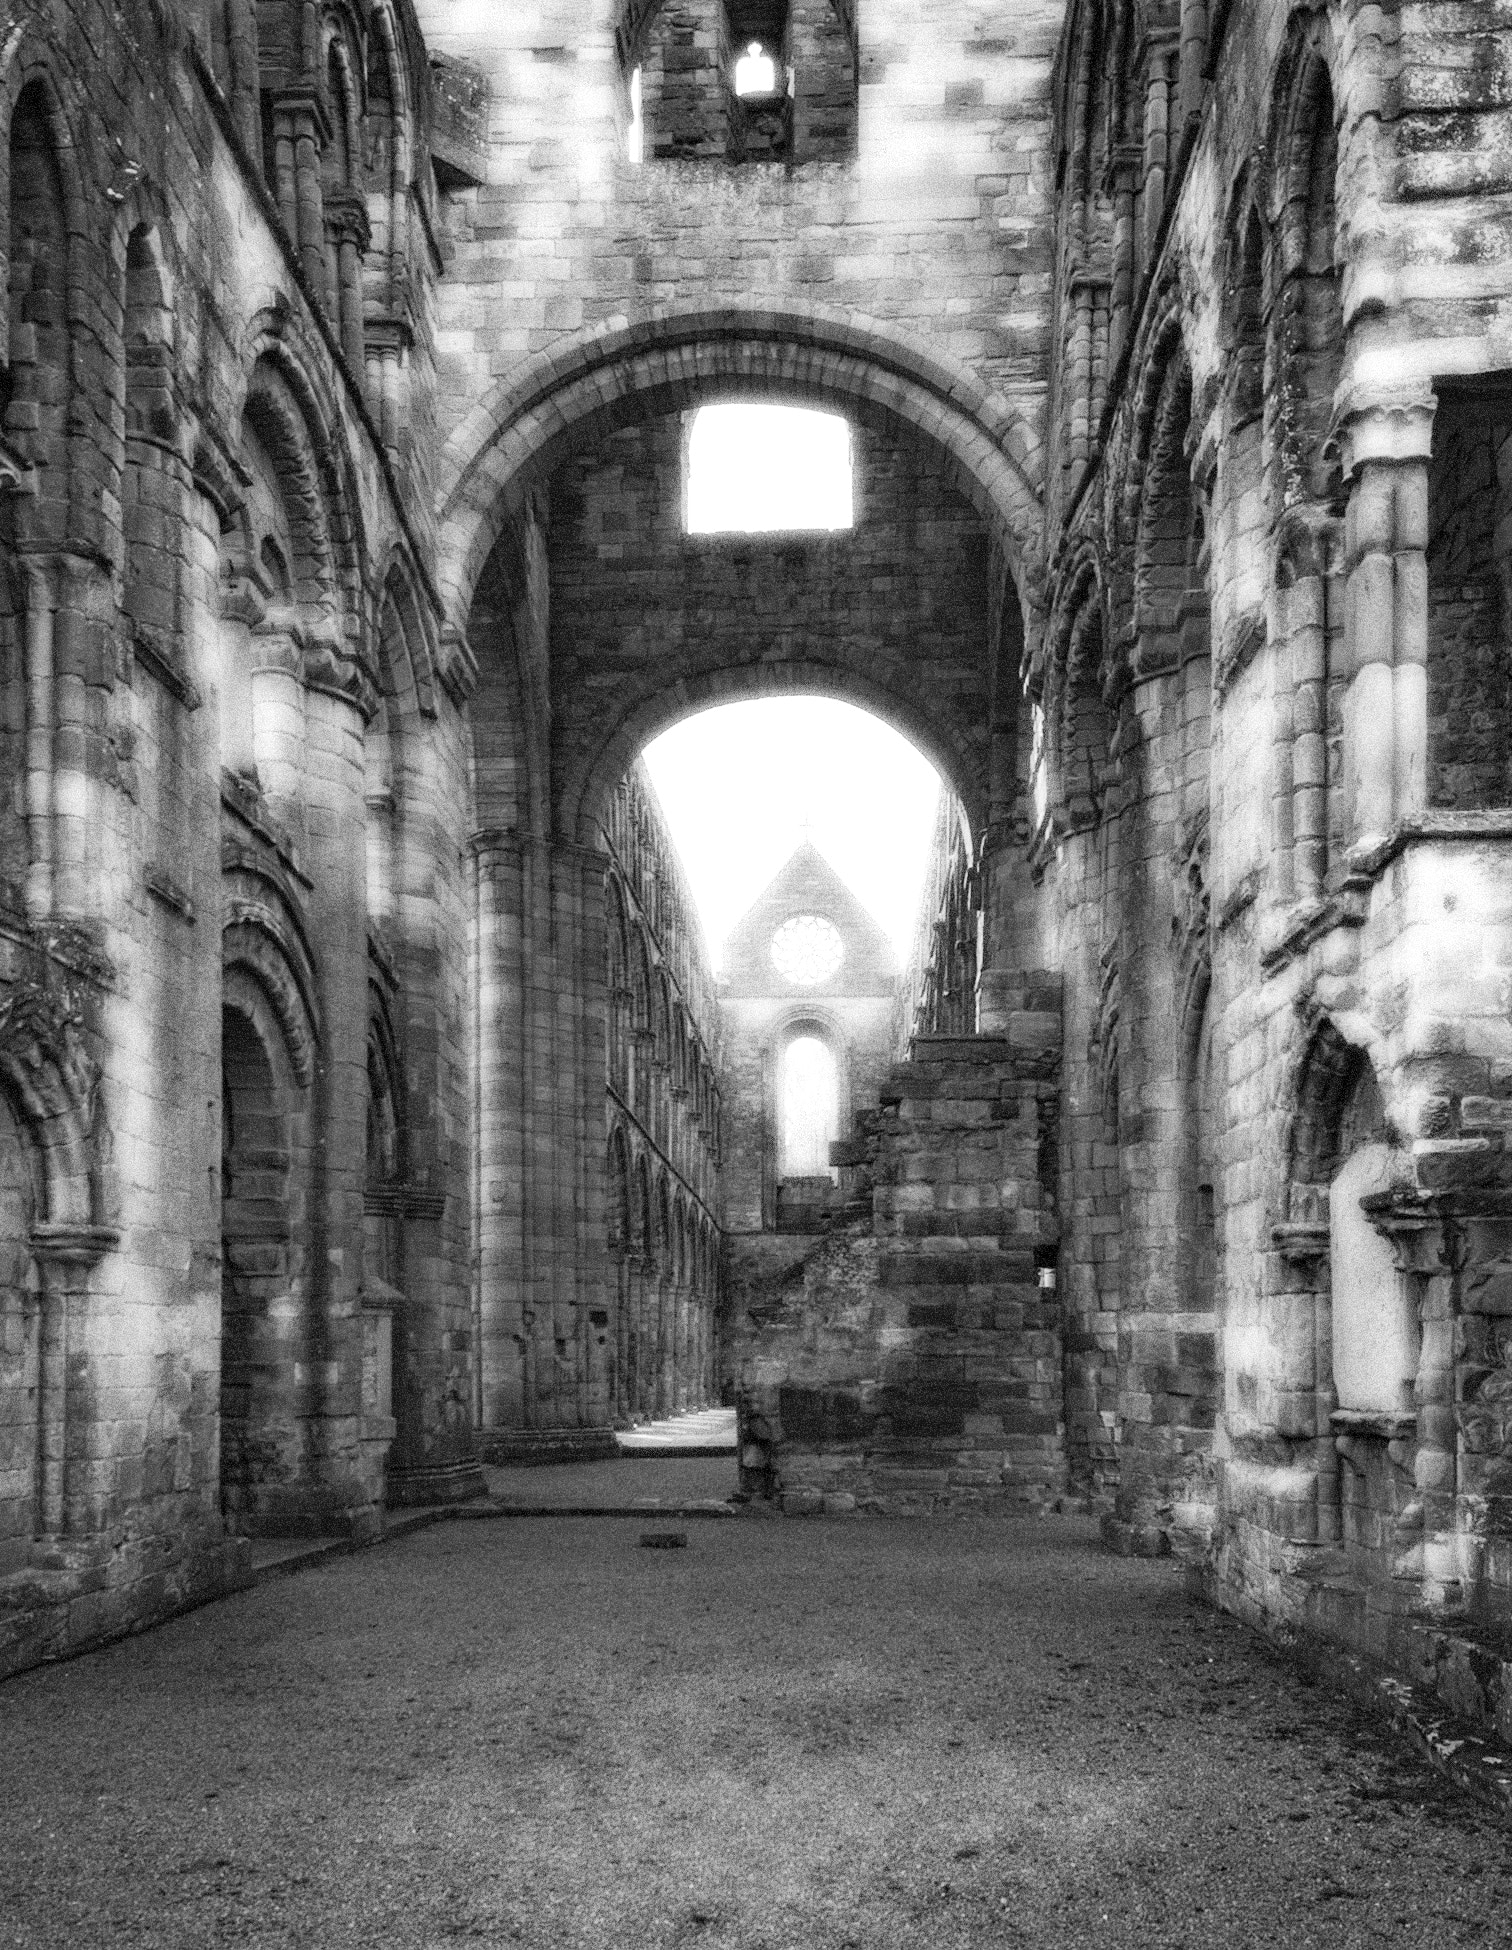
(807, 950)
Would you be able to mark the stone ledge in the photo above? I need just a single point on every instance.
(530, 1446)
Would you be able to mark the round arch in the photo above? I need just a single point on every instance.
(679, 356)
(587, 788)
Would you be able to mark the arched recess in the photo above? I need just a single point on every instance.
(586, 788)
(673, 358)
(343, 197)
(21, 1203)
(1200, 1099)
(50, 1236)
(620, 994)
(395, 781)
(264, 1158)
(53, 1081)
(269, 947)
(389, 167)
(1469, 559)
(1171, 605)
(808, 1099)
(46, 227)
(1306, 308)
(1079, 722)
(1356, 1373)
(283, 614)
(642, 1031)
(154, 474)
(1094, 176)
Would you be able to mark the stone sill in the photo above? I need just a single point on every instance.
(1386, 1424)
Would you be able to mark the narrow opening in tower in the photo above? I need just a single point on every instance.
(761, 469)
(635, 135)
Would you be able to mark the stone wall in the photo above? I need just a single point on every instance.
(912, 1359)
(1272, 799)
(666, 1125)
(230, 839)
(638, 606)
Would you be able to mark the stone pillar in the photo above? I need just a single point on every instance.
(241, 49)
(1125, 175)
(75, 673)
(664, 1402)
(1194, 29)
(1388, 444)
(242, 612)
(335, 852)
(620, 1398)
(540, 1117)
(386, 343)
(277, 705)
(297, 128)
(351, 232)
(39, 583)
(503, 1066)
(1157, 123)
(1303, 600)
(70, 1502)
(681, 1340)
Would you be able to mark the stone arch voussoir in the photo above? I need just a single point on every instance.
(626, 370)
(53, 1081)
(258, 942)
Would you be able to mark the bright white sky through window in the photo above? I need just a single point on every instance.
(755, 72)
(739, 782)
(758, 468)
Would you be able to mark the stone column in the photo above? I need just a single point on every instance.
(503, 1065)
(75, 672)
(277, 705)
(242, 611)
(1157, 124)
(1125, 173)
(347, 218)
(1304, 579)
(386, 344)
(38, 654)
(1194, 27)
(298, 120)
(664, 1402)
(1387, 445)
(620, 1402)
(541, 987)
(70, 1502)
(335, 844)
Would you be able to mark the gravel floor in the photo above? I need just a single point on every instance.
(831, 1732)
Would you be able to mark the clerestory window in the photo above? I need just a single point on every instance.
(762, 469)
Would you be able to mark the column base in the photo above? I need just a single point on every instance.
(410, 1486)
(546, 1445)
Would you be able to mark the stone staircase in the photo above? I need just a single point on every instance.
(913, 1359)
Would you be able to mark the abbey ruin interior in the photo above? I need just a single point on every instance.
(369, 1109)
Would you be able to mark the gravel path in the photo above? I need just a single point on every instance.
(816, 1734)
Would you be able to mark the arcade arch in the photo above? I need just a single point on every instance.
(595, 620)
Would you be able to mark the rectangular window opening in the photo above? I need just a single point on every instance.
(764, 469)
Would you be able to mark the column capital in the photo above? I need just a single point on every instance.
(72, 1245)
(1386, 424)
